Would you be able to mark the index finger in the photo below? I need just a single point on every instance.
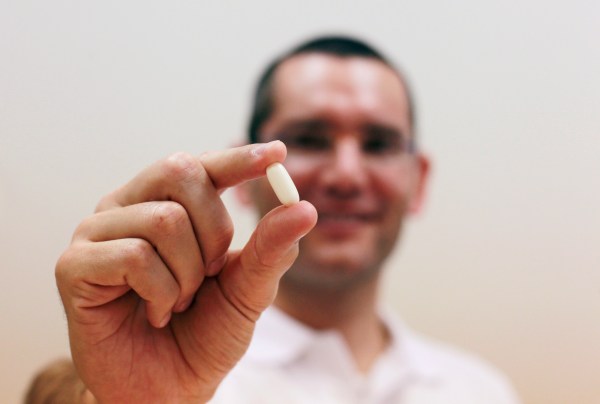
(234, 166)
(167, 179)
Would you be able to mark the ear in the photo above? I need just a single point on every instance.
(421, 181)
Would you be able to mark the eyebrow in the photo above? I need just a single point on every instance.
(383, 129)
(304, 124)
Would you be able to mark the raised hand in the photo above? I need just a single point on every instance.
(159, 309)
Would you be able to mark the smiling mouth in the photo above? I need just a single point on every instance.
(346, 217)
(342, 224)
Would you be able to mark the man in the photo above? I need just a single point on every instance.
(160, 311)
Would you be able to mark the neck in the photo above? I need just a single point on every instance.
(353, 313)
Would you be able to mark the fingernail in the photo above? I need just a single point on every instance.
(165, 320)
(302, 236)
(294, 246)
(184, 306)
(215, 266)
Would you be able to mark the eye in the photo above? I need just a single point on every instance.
(380, 143)
(380, 139)
(309, 141)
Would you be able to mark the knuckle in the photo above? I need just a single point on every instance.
(106, 202)
(182, 167)
(84, 228)
(63, 265)
(70, 268)
(138, 254)
(168, 218)
(249, 307)
(263, 255)
(271, 259)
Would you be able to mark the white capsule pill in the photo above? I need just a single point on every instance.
(282, 184)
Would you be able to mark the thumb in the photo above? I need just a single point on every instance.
(250, 280)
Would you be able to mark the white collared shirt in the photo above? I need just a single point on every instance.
(289, 363)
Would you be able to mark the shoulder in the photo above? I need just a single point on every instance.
(460, 371)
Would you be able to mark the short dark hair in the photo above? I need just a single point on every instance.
(340, 46)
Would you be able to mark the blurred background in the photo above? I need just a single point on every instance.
(505, 258)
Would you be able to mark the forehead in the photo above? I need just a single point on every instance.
(349, 90)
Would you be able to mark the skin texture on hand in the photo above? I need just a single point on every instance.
(159, 309)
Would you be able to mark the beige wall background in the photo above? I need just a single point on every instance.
(505, 258)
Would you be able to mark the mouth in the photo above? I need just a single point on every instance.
(340, 217)
(344, 224)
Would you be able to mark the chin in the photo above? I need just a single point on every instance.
(333, 272)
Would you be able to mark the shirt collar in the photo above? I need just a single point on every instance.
(280, 339)
(407, 347)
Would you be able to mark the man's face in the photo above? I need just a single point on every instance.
(346, 125)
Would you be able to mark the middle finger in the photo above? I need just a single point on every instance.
(167, 226)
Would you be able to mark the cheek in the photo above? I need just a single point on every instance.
(394, 192)
(394, 186)
(303, 174)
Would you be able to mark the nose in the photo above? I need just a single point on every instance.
(346, 173)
